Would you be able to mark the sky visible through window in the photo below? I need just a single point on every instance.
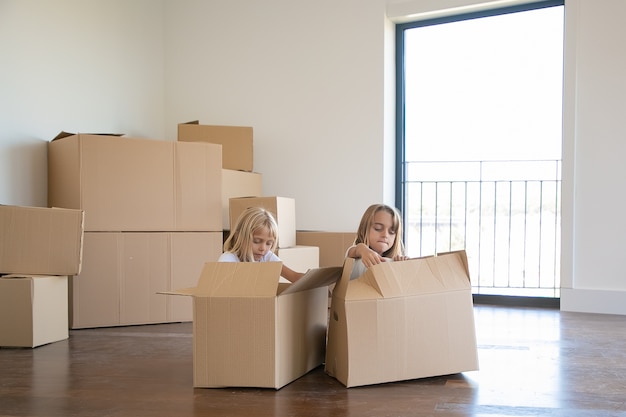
(485, 89)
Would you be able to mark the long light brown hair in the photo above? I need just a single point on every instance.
(366, 223)
(249, 222)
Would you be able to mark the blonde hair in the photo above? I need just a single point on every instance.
(366, 223)
(239, 242)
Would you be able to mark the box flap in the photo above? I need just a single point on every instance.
(315, 278)
(180, 291)
(239, 279)
(67, 134)
(462, 257)
(433, 274)
(193, 122)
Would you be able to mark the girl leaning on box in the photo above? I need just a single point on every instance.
(379, 239)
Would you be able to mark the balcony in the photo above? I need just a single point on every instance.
(505, 214)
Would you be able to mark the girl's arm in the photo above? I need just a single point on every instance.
(368, 256)
(290, 274)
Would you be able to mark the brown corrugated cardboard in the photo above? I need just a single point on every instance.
(333, 245)
(33, 310)
(238, 184)
(283, 209)
(402, 320)
(236, 141)
(250, 330)
(300, 258)
(131, 184)
(40, 241)
(123, 271)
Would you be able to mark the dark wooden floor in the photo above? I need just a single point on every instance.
(533, 362)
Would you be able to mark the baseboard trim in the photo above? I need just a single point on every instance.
(517, 301)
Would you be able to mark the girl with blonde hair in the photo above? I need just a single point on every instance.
(254, 239)
(379, 238)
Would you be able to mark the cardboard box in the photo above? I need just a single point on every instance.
(283, 209)
(129, 184)
(333, 245)
(402, 320)
(238, 184)
(300, 258)
(123, 271)
(236, 141)
(40, 241)
(33, 310)
(249, 330)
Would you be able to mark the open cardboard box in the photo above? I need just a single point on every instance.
(401, 321)
(251, 330)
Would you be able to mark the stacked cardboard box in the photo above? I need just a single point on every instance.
(238, 176)
(332, 245)
(39, 249)
(242, 188)
(152, 219)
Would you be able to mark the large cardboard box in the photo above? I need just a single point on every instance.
(131, 184)
(333, 245)
(123, 271)
(238, 184)
(283, 209)
(250, 330)
(33, 310)
(236, 141)
(40, 241)
(402, 320)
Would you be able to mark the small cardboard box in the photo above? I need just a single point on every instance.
(333, 245)
(300, 258)
(33, 310)
(238, 184)
(250, 330)
(402, 320)
(40, 241)
(236, 141)
(283, 209)
(136, 185)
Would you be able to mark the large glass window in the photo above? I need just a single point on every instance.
(479, 143)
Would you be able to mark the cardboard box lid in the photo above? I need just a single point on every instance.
(314, 278)
(444, 272)
(254, 279)
(64, 134)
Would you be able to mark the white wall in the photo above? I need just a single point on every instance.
(309, 77)
(76, 66)
(315, 81)
(594, 224)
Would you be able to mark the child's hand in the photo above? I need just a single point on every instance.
(400, 258)
(368, 256)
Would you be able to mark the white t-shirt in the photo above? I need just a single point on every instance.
(231, 257)
(358, 268)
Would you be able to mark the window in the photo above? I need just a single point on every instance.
(479, 143)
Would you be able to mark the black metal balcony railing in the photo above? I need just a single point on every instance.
(505, 214)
